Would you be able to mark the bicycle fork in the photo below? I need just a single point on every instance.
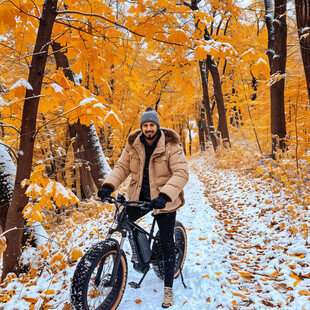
(117, 261)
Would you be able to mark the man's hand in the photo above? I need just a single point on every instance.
(160, 201)
(106, 191)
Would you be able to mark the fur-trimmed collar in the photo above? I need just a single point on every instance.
(170, 136)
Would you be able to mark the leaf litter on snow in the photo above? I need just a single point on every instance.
(246, 248)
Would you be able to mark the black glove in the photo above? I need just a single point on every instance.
(160, 201)
(106, 191)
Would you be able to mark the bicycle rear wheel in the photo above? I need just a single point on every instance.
(90, 288)
(180, 240)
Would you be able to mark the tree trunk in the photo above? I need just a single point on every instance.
(270, 30)
(7, 172)
(87, 149)
(62, 61)
(217, 85)
(94, 166)
(206, 103)
(303, 26)
(27, 137)
(212, 67)
(201, 135)
(190, 140)
(277, 36)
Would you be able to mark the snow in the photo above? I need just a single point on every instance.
(2, 102)
(22, 82)
(261, 60)
(87, 101)
(251, 50)
(7, 175)
(57, 88)
(3, 38)
(104, 168)
(236, 252)
(78, 79)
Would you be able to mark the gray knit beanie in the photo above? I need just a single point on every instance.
(149, 116)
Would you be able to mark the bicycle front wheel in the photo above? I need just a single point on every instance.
(91, 288)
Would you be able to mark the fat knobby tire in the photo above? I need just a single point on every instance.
(180, 240)
(83, 271)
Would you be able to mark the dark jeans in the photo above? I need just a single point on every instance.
(165, 222)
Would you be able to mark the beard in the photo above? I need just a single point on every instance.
(150, 137)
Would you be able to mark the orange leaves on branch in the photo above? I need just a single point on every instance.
(19, 88)
(8, 14)
(179, 37)
(147, 30)
(213, 48)
(47, 194)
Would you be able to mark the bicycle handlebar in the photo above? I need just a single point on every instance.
(143, 205)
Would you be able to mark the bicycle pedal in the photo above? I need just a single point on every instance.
(134, 285)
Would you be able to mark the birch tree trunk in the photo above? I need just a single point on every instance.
(7, 173)
(27, 137)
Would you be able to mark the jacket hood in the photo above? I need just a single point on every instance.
(170, 136)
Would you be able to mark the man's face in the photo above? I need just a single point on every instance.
(149, 130)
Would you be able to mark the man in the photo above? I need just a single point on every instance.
(159, 172)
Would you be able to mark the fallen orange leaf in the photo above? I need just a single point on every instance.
(304, 292)
(206, 276)
(245, 274)
(240, 295)
(275, 274)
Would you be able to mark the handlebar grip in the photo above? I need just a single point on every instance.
(145, 206)
(109, 199)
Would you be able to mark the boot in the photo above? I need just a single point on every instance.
(168, 297)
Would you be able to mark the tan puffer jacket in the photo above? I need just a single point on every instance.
(168, 170)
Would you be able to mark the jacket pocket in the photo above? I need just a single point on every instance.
(161, 167)
(134, 164)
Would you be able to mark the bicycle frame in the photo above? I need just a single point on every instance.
(126, 227)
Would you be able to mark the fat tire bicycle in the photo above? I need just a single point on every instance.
(100, 277)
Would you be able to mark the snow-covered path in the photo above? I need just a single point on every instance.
(204, 265)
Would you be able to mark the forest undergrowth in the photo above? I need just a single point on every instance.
(263, 211)
(263, 219)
